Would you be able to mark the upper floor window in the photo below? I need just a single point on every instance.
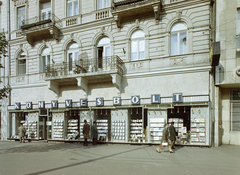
(178, 39)
(46, 10)
(45, 59)
(72, 8)
(21, 67)
(103, 52)
(21, 16)
(238, 29)
(137, 45)
(101, 4)
(72, 53)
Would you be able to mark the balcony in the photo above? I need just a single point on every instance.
(124, 10)
(41, 27)
(85, 71)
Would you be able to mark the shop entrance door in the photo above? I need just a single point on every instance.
(42, 127)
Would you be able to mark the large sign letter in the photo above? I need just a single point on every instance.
(116, 101)
(135, 100)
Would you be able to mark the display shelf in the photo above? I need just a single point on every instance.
(72, 129)
(58, 128)
(31, 129)
(198, 130)
(118, 129)
(136, 130)
(102, 126)
(156, 128)
(178, 124)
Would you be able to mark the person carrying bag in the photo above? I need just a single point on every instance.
(164, 141)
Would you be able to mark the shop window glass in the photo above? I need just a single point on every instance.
(22, 64)
(21, 16)
(72, 8)
(137, 45)
(178, 39)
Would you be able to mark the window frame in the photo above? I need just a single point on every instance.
(138, 40)
(232, 103)
(47, 60)
(73, 52)
(178, 32)
(20, 64)
(104, 60)
(103, 4)
(22, 16)
(238, 29)
(46, 10)
(73, 7)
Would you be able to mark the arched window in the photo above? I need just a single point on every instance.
(72, 55)
(45, 59)
(137, 45)
(178, 39)
(103, 52)
(21, 67)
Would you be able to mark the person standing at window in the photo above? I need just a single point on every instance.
(86, 129)
(94, 133)
(172, 135)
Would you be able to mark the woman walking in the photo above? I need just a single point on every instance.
(164, 141)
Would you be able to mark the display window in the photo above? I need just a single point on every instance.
(103, 120)
(137, 130)
(72, 117)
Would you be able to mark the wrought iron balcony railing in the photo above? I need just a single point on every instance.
(85, 66)
(41, 20)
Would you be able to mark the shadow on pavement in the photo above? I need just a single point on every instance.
(85, 162)
(26, 148)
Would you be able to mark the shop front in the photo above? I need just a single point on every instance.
(134, 123)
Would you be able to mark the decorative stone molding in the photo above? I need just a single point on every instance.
(83, 84)
(53, 86)
(116, 80)
(20, 2)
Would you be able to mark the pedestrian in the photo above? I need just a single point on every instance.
(172, 132)
(164, 141)
(94, 133)
(21, 131)
(86, 129)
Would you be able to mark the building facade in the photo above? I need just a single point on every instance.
(132, 66)
(227, 73)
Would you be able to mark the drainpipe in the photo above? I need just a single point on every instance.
(9, 50)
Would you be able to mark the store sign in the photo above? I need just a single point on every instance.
(41, 104)
(54, 104)
(177, 98)
(68, 103)
(155, 99)
(117, 101)
(17, 106)
(83, 102)
(29, 105)
(99, 102)
(135, 100)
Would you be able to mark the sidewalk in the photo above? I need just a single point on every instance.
(64, 158)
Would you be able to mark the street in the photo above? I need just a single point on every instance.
(67, 158)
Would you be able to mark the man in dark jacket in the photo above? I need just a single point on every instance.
(172, 135)
(86, 129)
(94, 133)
